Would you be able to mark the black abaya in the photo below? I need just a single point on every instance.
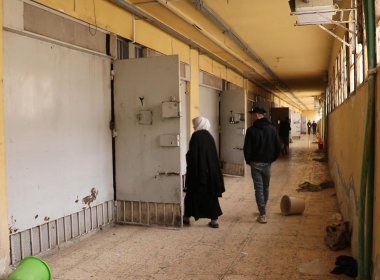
(204, 180)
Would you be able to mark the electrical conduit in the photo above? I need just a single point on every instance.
(365, 238)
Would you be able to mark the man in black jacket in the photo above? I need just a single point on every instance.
(261, 147)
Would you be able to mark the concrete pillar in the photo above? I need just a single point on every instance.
(194, 85)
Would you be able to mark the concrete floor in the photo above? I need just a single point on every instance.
(240, 249)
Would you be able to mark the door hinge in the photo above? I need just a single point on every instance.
(112, 74)
(113, 129)
(114, 133)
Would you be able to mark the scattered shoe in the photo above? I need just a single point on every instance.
(186, 221)
(262, 219)
(213, 224)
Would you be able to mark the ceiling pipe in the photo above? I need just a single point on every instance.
(145, 16)
(206, 34)
(367, 178)
(228, 50)
(216, 20)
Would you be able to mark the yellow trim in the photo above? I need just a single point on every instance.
(234, 78)
(194, 85)
(205, 63)
(118, 21)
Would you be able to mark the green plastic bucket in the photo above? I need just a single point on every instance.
(31, 268)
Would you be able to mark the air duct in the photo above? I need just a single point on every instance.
(313, 12)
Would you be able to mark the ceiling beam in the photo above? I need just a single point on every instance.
(209, 13)
(143, 15)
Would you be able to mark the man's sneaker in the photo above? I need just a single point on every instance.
(262, 219)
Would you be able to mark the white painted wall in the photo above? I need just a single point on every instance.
(303, 125)
(295, 119)
(13, 14)
(232, 135)
(58, 142)
(184, 124)
(209, 108)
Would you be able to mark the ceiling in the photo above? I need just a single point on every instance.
(256, 37)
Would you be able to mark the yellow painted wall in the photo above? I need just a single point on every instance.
(102, 13)
(65, 6)
(219, 70)
(4, 232)
(209, 65)
(194, 85)
(205, 63)
(347, 125)
(251, 86)
(116, 20)
(234, 78)
(154, 38)
(310, 115)
(346, 138)
(182, 50)
(376, 234)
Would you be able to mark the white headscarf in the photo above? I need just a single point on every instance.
(201, 123)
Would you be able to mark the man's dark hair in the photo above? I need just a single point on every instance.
(259, 110)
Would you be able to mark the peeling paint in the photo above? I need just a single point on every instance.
(4, 268)
(90, 198)
(348, 199)
(348, 190)
(12, 227)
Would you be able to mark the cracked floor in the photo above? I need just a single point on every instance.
(240, 249)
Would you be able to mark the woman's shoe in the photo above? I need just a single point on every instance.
(213, 224)
(186, 221)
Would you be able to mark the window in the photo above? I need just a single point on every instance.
(350, 67)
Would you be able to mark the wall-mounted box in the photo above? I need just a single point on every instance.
(170, 109)
(145, 117)
(169, 140)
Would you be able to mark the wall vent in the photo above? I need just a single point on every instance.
(210, 81)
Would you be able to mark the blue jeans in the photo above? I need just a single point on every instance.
(261, 172)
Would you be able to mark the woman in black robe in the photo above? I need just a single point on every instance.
(204, 180)
(283, 131)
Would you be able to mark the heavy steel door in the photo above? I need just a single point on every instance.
(232, 121)
(147, 145)
(209, 108)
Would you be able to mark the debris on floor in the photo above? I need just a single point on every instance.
(322, 159)
(338, 236)
(315, 267)
(309, 187)
(327, 184)
(346, 265)
(337, 217)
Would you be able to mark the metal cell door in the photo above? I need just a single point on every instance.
(209, 108)
(232, 121)
(147, 145)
